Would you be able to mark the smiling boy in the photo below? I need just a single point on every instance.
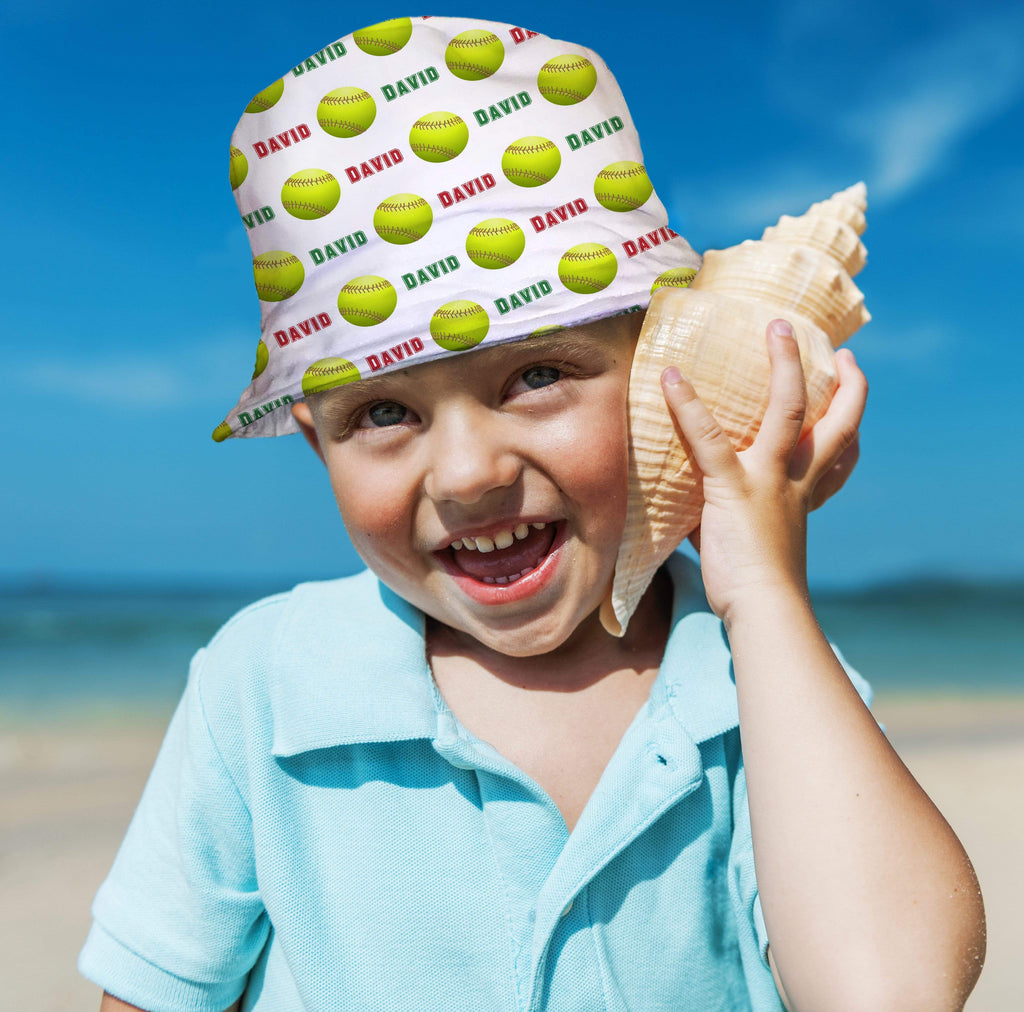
(492, 497)
(441, 784)
(491, 490)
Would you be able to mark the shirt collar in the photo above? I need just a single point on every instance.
(349, 666)
(696, 677)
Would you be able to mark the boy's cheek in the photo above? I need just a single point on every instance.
(598, 474)
(370, 514)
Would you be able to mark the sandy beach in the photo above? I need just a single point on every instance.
(67, 792)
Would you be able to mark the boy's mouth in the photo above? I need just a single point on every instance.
(505, 556)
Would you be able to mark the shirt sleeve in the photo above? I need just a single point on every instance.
(179, 921)
(750, 928)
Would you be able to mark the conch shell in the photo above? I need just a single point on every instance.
(715, 332)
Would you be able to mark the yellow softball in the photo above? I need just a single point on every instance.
(623, 186)
(674, 277)
(278, 275)
(221, 433)
(566, 80)
(238, 168)
(439, 136)
(327, 373)
(474, 55)
(385, 37)
(346, 112)
(546, 331)
(531, 161)
(367, 300)
(587, 268)
(403, 218)
(310, 193)
(459, 325)
(495, 243)
(262, 358)
(266, 98)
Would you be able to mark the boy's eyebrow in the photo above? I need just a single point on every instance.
(566, 344)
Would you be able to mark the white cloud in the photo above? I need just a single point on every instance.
(135, 382)
(926, 100)
(733, 209)
(898, 113)
(907, 103)
(132, 384)
(926, 343)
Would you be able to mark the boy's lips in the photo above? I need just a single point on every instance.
(504, 565)
(507, 574)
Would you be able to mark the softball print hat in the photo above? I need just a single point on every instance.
(428, 186)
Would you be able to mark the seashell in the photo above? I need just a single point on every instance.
(715, 332)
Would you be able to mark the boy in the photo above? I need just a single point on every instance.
(440, 784)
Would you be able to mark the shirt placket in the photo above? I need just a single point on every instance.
(526, 831)
(545, 869)
(656, 766)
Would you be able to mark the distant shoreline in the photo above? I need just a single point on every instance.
(917, 716)
(84, 650)
(928, 586)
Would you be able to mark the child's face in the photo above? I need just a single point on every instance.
(490, 445)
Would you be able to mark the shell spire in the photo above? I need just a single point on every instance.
(714, 330)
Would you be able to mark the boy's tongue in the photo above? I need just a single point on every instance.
(520, 555)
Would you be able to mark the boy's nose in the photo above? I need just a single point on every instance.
(468, 459)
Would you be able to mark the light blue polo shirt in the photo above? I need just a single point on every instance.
(321, 832)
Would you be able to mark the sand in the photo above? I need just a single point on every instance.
(67, 792)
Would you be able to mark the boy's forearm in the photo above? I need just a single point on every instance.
(109, 1003)
(869, 900)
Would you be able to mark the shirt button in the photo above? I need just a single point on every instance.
(568, 907)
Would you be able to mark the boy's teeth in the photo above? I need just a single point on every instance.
(502, 557)
(503, 539)
(508, 579)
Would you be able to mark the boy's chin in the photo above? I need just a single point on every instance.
(522, 642)
(518, 646)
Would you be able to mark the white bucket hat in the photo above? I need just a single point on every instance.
(427, 186)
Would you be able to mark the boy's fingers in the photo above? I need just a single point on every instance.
(838, 428)
(787, 397)
(835, 477)
(709, 445)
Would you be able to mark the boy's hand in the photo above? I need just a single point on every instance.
(753, 530)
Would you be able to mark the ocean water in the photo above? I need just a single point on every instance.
(90, 651)
(102, 650)
(931, 636)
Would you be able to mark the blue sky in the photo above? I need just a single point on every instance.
(130, 317)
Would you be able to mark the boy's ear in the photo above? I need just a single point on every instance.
(302, 414)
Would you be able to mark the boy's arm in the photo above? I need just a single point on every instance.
(869, 899)
(112, 1004)
(778, 981)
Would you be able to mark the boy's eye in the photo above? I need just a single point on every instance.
(384, 414)
(541, 376)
